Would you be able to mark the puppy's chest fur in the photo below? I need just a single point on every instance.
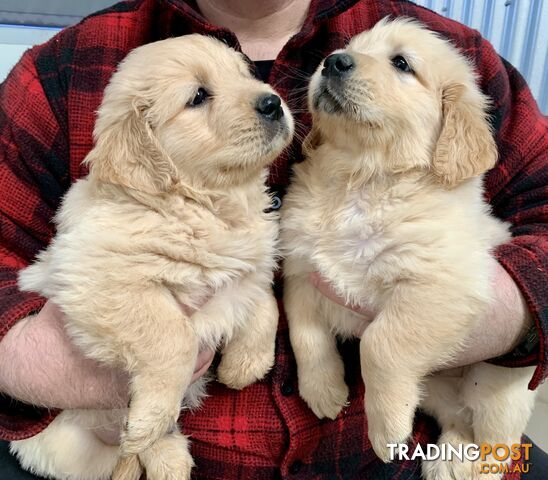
(106, 244)
(228, 239)
(367, 237)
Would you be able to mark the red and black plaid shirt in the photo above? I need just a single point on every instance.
(47, 112)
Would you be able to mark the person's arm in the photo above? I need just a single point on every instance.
(34, 173)
(517, 189)
(497, 334)
(41, 366)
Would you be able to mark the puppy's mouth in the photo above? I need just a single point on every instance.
(332, 99)
(327, 100)
(275, 132)
(261, 144)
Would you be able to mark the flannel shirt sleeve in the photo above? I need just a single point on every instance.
(33, 177)
(517, 189)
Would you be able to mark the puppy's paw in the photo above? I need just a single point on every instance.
(479, 475)
(168, 459)
(454, 470)
(388, 424)
(127, 468)
(143, 430)
(241, 367)
(326, 395)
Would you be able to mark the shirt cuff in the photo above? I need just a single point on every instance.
(527, 269)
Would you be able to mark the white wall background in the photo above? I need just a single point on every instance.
(15, 39)
(518, 29)
(538, 425)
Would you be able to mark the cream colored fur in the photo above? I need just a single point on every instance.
(389, 208)
(173, 210)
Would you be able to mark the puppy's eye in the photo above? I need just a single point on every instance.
(199, 98)
(401, 64)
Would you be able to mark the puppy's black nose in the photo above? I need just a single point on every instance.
(270, 106)
(337, 65)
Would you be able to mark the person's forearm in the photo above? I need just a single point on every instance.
(39, 365)
(504, 326)
(498, 333)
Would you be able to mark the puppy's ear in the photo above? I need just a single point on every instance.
(466, 147)
(312, 141)
(128, 153)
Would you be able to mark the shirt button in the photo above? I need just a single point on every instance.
(295, 467)
(276, 203)
(287, 388)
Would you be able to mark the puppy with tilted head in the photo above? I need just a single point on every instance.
(388, 206)
(172, 211)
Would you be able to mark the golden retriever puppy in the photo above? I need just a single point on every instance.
(172, 211)
(389, 208)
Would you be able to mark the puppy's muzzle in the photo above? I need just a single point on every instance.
(330, 95)
(269, 107)
(337, 65)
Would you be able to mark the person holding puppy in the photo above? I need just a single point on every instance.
(265, 431)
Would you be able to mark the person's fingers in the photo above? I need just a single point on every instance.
(203, 362)
(190, 310)
(52, 310)
(206, 355)
(326, 289)
(109, 435)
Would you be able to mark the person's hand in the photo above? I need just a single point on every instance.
(111, 434)
(496, 334)
(327, 289)
(41, 366)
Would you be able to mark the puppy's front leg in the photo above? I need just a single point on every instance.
(160, 348)
(443, 401)
(393, 366)
(249, 354)
(168, 458)
(319, 365)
